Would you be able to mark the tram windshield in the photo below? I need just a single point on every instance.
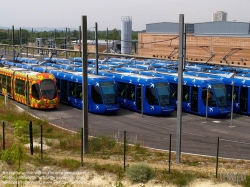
(48, 89)
(163, 93)
(151, 95)
(108, 91)
(220, 94)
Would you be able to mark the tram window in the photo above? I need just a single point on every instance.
(20, 87)
(229, 93)
(58, 85)
(236, 91)
(220, 93)
(96, 95)
(48, 89)
(244, 99)
(75, 90)
(72, 89)
(108, 91)
(130, 91)
(121, 90)
(78, 90)
(35, 91)
(163, 93)
(151, 96)
(173, 90)
(8, 84)
(211, 100)
(210, 96)
(0, 82)
(185, 96)
(4, 81)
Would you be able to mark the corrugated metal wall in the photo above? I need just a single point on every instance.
(209, 28)
(164, 27)
(221, 27)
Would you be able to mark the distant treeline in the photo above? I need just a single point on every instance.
(24, 36)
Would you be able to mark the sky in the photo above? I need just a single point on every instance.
(108, 13)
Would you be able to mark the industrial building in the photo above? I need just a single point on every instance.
(219, 16)
(113, 46)
(217, 42)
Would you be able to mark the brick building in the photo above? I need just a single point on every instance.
(217, 42)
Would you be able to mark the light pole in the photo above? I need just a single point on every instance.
(231, 75)
(232, 105)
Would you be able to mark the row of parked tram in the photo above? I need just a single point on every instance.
(151, 89)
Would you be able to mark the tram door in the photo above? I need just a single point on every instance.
(244, 99)
(138, 97)
(194, 99)
(64, 91)
(8, 85)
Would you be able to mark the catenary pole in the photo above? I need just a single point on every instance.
(96, 48)
(80, 41)
(85, 83)
(107, 40)
(179, 97)
(13, 36)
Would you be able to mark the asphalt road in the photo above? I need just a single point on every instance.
(199, 136)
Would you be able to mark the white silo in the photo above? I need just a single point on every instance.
(126, 35)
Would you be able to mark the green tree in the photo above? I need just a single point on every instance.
(16, 154)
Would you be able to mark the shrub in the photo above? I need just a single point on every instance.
(15, 155)
(141, 172)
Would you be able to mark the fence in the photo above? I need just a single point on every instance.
(200, 145)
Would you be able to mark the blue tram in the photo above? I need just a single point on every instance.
(101, 91)
(241, 96)
(136, 92)
(196, 92)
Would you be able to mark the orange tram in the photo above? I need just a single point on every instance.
(18, 83)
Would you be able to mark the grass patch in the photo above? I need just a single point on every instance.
(71, 164)
(102, 143)
(178, 178)
(117, 169)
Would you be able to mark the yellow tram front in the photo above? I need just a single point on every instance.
(42, 91)
(40, 88)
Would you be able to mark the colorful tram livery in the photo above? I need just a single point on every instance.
(17, 83)
(155, 92)
(196, 91)
(101, 91)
